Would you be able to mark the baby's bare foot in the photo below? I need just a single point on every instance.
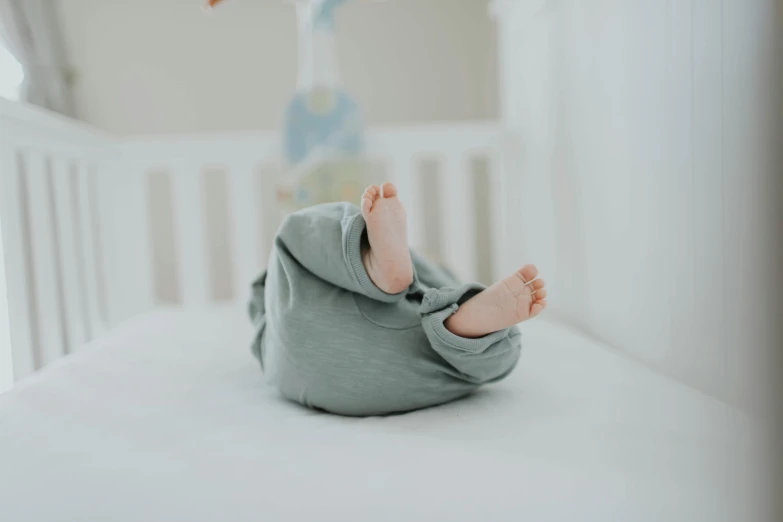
(388, 261)
(517, 298)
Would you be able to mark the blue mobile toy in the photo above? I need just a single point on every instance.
(323, 137)
(323, 133)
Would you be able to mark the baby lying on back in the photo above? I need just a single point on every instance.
(351, 321)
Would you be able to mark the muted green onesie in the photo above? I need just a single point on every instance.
(328, 338)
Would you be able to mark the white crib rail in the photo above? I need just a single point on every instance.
(49, 234)
(434, 167)
(19, 321)
(72, 277)
(96, 229)
(247, 222)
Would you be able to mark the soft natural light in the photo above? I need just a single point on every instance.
(11, 75)
(6, 359)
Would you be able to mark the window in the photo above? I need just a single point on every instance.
(11, 75)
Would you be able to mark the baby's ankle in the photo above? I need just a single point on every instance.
(462, 324)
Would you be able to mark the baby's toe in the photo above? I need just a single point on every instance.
(537, 308)
(370, 195)
(388, 190)
(366, 205)
(528, 273)
(372, 192)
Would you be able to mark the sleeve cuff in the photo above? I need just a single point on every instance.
(439, 304)
(352, 251)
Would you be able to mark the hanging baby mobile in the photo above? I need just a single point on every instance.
(323, 135)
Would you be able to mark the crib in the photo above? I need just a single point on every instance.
(126, 285)
(98, 228)
(125, 265)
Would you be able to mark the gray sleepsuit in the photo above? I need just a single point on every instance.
(328, 338)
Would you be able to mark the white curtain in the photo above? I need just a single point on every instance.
(30, 30)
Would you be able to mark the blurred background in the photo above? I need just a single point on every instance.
(633, 149)
(164, 67)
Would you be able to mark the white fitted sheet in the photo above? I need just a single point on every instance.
(167, 418)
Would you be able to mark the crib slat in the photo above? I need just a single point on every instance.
(127, 185)
(189, 231)
(14, 248)
(498, 219)
(86, 227)
(49, 321)
(480, 192)
(430, 215)
(408, 184)
(458, 223)
(93, 196)
(72, 274)
(507, 184)
(400, 173)
(271, 215)
(246, 228)
(217, 230)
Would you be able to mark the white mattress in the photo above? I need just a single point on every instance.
(167, 419)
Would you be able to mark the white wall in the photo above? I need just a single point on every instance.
(162, 66)
(651, 176)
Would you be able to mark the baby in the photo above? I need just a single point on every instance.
(351, 321)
